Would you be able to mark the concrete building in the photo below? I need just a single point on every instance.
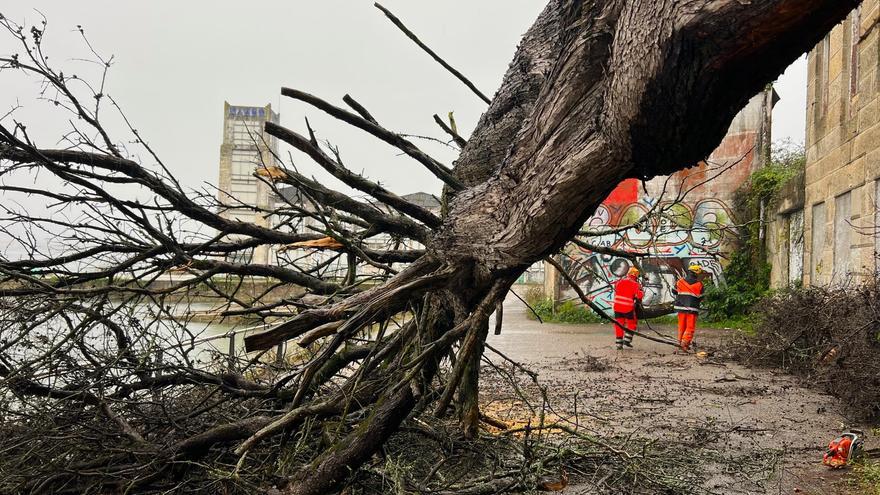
(697, 224)
(835, 203)
(245, 148)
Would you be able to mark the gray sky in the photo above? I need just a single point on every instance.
(790, 113)
(176, 62)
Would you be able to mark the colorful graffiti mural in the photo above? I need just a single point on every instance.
(681, 235)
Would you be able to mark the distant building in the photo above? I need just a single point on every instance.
(829, 218)
(425, 200)
(245, 148)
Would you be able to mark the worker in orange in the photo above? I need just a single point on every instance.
(627, 292)
(688, 292)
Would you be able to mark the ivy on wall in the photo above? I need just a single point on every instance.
(748, 272)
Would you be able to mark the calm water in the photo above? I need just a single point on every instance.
(213, 338)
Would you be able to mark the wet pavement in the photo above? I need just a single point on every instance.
(650, 392)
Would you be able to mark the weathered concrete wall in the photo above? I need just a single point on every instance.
(843, 151)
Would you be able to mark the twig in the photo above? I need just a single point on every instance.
(460, 141)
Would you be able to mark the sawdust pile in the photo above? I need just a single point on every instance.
(830, 337)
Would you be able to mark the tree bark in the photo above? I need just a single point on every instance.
(326, 472)
(632, 78)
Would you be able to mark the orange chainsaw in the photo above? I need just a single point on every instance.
(848, 446)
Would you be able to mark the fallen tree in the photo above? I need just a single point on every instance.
(597, 92)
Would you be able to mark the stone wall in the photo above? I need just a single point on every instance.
(843, 152)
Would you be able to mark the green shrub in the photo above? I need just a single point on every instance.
(566, 312)
(867, 476)
(746, 285)
(543, 308)
(572, 312)
(747, 275)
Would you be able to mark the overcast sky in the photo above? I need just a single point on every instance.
(175, 62)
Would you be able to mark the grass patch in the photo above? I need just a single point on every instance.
(566, 312)
(866, 476)
(575, 313)
(744, 324)
(671, 320)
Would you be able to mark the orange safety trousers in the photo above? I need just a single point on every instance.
(687, 323)
(625, 322)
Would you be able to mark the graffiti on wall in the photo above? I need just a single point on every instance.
(684, 234)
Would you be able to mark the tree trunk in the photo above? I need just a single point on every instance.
(599, 92)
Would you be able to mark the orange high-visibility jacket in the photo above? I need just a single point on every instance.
(688, 293)
(626, 291)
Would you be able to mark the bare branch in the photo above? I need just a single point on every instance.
(409, 34)
(438, 169)
(460, 141)
(351, 179)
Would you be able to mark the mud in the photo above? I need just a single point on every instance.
(776, 427)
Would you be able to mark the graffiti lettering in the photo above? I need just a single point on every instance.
(681, 236)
